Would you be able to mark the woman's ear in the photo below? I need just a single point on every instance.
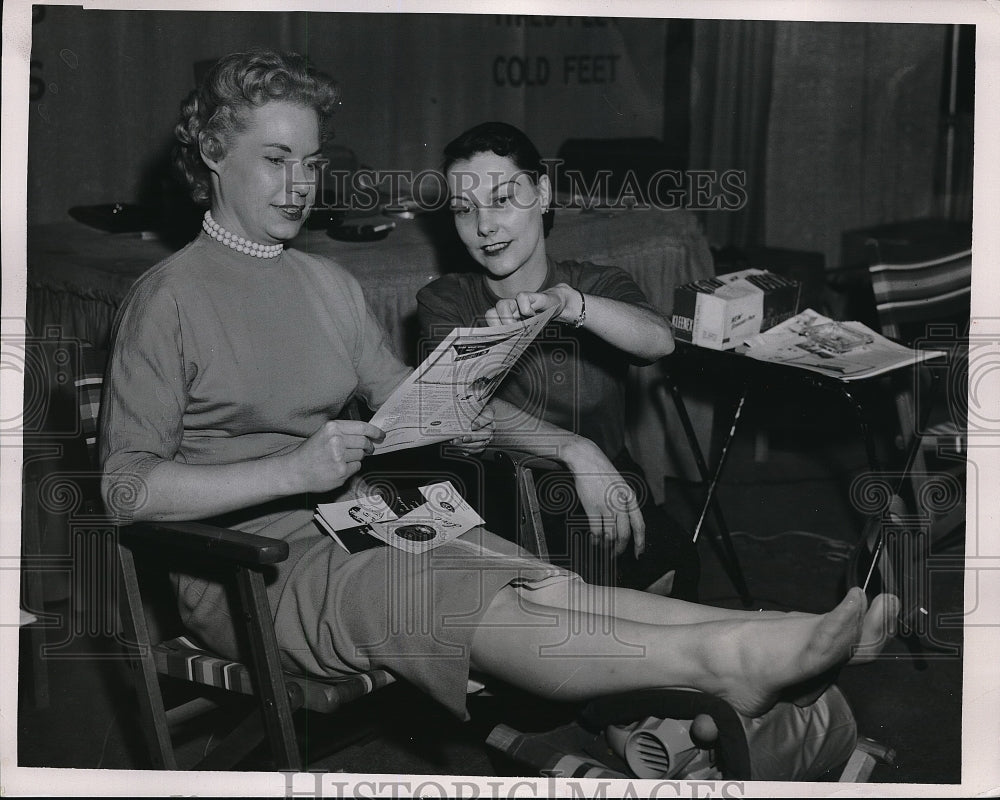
(211, 151)
(544, 192)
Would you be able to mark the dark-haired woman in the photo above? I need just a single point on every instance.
(230, 364)
(500, 197)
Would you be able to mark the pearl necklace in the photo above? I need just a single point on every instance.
(238, 243)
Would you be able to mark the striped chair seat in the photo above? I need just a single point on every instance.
(181, 658)
(920, 291)
(948, 430)
(911, 295)
(89, 382)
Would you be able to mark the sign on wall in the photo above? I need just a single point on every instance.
(412, 82)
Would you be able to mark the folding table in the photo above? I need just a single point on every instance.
(745, 373)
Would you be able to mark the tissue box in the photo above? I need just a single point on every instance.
(721, 313)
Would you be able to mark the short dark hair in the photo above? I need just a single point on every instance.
(504, 140)
(216, 110)
(495, 137)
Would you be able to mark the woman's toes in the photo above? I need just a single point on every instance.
(878, 627)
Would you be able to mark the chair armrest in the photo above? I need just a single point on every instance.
(203, 540)
(519, 459)
(530, 532)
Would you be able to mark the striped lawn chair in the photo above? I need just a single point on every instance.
(922, 297)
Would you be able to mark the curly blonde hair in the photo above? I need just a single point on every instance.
(216, 110)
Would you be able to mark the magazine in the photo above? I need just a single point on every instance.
(847, 351)
(414, 522)
(441, 398)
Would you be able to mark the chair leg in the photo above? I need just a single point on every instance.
(863, 418)
(147, 681)
(867, 754)
(39, 666)
(908, 428)
(237, 745)
(34, 594)
(271, 686)
(192, 709)
(532, 533)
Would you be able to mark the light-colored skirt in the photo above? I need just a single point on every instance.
(335, 613)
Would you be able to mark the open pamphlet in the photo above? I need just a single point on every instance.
(441, 398)
(414, 522)
(847, 351)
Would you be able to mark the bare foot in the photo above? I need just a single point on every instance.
(879, 626)
(766, 657)
(809, 691)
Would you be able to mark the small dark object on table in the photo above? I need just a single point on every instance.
(366, 232)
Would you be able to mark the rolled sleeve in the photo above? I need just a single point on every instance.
(616, 284)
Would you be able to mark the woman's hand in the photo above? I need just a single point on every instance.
(641, 333)
(608, 501)
(483, 428)
(333, 453)
(564, 298)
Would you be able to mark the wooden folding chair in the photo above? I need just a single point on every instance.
(159, 650)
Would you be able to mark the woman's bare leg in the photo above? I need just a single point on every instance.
(879, 622)
(637, 605)
(568, 654)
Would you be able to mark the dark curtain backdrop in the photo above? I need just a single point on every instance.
(837, 125)
(112, 82)
(732, 75)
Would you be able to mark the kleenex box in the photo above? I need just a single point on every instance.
(722, 312)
